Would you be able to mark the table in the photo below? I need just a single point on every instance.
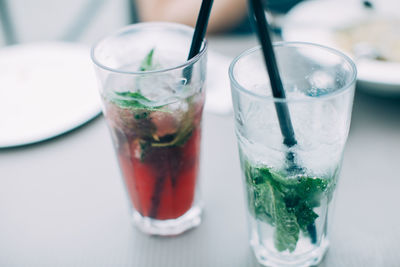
(62, 201)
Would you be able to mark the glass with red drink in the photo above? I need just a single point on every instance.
(153, 101)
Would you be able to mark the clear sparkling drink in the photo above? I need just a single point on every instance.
(290, 190)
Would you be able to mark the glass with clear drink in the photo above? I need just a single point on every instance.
(290, 190)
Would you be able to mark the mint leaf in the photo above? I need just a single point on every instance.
(310, 190)
(260, 195)
(131, 100)
(135, 101)
(136, 113)
(134, 95)
(285, 203)
(267, 204)
(305, 216)
(147, 63)
(287, 228)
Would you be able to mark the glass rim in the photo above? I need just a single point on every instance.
(237, 86)
(185, 64)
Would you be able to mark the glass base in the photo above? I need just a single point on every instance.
(268, 258)
(190, 219)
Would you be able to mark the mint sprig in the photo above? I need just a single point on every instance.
(148, 63)
(285, 203)
(134, 100)
(141, 108)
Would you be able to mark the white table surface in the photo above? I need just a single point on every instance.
(62, 201)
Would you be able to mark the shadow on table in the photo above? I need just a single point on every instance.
(252, 261)
(53, 139)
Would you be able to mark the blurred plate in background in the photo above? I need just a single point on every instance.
(371, 36)
(46, 89)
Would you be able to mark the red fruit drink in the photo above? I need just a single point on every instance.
(158, 152)
(152, 98)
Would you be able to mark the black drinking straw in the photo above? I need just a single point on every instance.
(368, 4)
(201, 28)
(198, 35)
(282, 110)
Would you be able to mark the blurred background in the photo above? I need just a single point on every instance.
(74, 20)
(87, 20)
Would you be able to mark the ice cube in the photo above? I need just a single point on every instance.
(321, 83)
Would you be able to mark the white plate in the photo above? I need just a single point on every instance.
(46, 89)
(316, 21)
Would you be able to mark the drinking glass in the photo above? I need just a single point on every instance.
(290, 190)
(152, 99)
